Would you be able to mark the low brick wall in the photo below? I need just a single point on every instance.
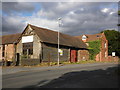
(30, 62)
(83, 55)
(111, 58)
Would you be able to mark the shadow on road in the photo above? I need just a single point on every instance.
(82, 79)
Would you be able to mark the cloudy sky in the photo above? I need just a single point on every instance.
(77, 17)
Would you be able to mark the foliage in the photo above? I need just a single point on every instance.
(113, 38)
(24, 56)
(119, 12)
(94, 48)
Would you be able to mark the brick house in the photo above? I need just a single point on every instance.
(103, 55)
(7, 50)
(35, 45)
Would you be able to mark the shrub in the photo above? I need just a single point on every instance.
(94, 48)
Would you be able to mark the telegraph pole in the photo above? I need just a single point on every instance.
(59, 22)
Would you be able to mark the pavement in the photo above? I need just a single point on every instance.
(15, 69)
(97, 75)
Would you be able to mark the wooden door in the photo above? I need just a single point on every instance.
(73, 56)
(17, 59)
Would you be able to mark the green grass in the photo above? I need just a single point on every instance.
(80, 62)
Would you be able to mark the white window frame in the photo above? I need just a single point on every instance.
(84, 37)
(105, 45)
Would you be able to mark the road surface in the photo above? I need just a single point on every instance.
(100, 75)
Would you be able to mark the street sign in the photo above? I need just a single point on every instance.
(113, 53)
(61, 52)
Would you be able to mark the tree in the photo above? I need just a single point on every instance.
(119, 12)
(113, 38)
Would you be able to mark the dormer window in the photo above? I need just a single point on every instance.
(84, 37)
(98, 36)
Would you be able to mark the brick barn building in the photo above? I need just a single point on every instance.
(103, 54)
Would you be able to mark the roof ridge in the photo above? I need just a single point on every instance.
(42, 28)
(89, 34)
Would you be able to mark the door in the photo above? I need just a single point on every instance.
(73, 56)
(17, 59)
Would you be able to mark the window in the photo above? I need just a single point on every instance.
(84, 37)
(106, 54)
(3, 47)
(98, 36)
(105, 45)
(28, 48)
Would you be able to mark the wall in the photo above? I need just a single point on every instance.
(104, 49)
(111, 58)
(50, 52)
(36, 51)
(83, 55)
(19, 47)
(36, 47)
(30, 62)
(103, 55)
(9, 52)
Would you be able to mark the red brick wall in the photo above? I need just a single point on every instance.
(9, 52)
(111, 58)
(83, 55)
(103, 55)
(104, 48)
(97, 58)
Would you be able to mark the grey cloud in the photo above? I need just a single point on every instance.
(90, 23)
(10, 27)
(54, 7)
(19, 7)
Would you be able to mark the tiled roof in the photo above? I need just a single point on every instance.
(50, 36)
(91, 37)
(9, 39)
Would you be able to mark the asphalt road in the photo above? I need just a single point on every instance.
(100, 75)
